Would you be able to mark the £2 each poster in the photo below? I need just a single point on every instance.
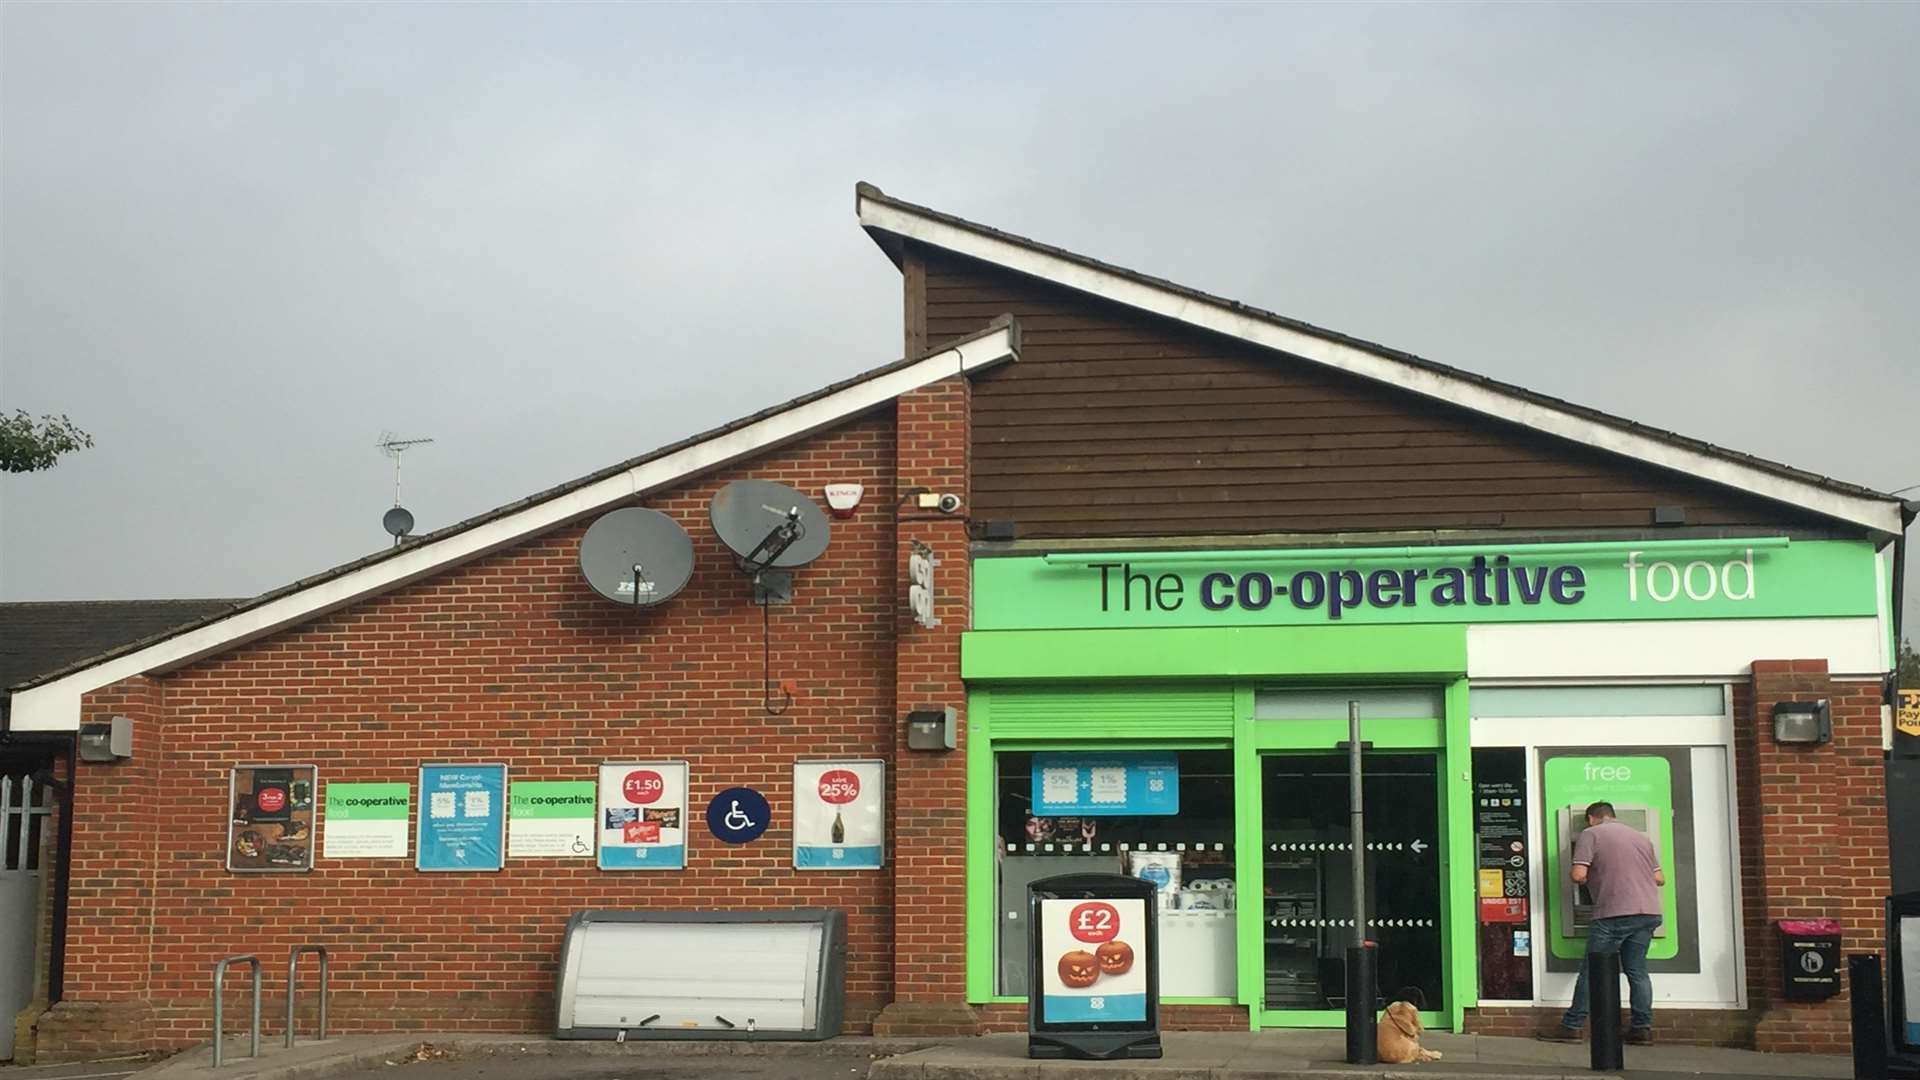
(1093, 961)
(839, 815)
(642, 821)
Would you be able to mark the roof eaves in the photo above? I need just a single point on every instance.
(1003, 324)
(888, 242)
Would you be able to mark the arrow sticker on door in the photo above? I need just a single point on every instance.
(1417, 846)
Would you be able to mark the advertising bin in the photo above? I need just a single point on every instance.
(1093, 971)
(1809, 958)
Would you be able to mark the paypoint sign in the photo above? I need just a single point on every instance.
(1547, 583)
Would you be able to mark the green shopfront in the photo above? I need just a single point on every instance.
(1182, 716)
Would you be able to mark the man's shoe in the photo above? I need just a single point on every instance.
(1560, 1033)
(1640, 1036)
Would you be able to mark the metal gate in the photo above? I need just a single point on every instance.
(24, 807)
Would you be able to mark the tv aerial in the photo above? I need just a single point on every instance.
(771, 529)
(636, 557)
(398, 521)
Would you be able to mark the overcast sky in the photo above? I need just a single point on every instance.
(239, 242)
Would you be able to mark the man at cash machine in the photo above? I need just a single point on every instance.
(1621, 871)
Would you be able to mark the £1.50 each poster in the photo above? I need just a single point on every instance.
(642, 822)
(839, 815)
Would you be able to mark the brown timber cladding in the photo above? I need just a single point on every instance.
(1116, 422)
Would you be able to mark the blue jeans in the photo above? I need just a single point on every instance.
(1630, 936)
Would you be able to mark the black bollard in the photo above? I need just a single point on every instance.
(1362, 973)
(1603, 1017)
(1869, 1017)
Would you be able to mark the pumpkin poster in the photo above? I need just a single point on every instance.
(1093, 964)
(839, 815)
(642, 820)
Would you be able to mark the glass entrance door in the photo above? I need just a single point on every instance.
(1307, 852)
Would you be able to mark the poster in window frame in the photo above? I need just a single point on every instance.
(658, 826)
(858, 803)
(252, 812)
(441, 841)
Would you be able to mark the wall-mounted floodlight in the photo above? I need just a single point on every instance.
(1802, 723)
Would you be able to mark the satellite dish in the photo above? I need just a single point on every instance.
(636, 556)
(398, 522)
(768, 525)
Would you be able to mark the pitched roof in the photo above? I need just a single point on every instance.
(893, 221)
(50, 701)
(41, 637)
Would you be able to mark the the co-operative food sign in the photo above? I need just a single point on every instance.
(1755, 579)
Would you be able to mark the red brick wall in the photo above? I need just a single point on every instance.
(1674, 1027)
(1821, 841)
(112, 879)
(510, 658)
(930, 818)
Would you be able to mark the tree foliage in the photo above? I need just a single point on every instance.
(29, 445)
(1907, 672)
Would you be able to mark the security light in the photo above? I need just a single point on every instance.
(1802, 723)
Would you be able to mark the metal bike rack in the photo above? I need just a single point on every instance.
(293, 967)
(220, 1009)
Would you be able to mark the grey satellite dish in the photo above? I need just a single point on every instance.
(398, 522)
(636, 556)
(768, 525)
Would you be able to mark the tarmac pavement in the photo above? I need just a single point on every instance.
(1264, 1055)
(79, 1070)
(1315, 1054)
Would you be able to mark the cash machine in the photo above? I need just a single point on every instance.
(1576, 903)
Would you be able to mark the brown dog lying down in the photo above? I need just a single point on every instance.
(1398, 1036)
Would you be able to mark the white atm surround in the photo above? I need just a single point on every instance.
(1721, 981)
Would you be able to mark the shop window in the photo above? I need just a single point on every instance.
(1503, 882)
(1396, 703)
(1601, 701)
(1070, 812)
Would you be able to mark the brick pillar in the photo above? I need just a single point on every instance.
(930, 787)
(117, 811)
(1822, 842)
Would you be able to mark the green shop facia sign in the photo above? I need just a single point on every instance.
(1685, 579)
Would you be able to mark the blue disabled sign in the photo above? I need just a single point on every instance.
(738, 815)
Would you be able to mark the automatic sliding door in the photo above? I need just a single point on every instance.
(1309, 877)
